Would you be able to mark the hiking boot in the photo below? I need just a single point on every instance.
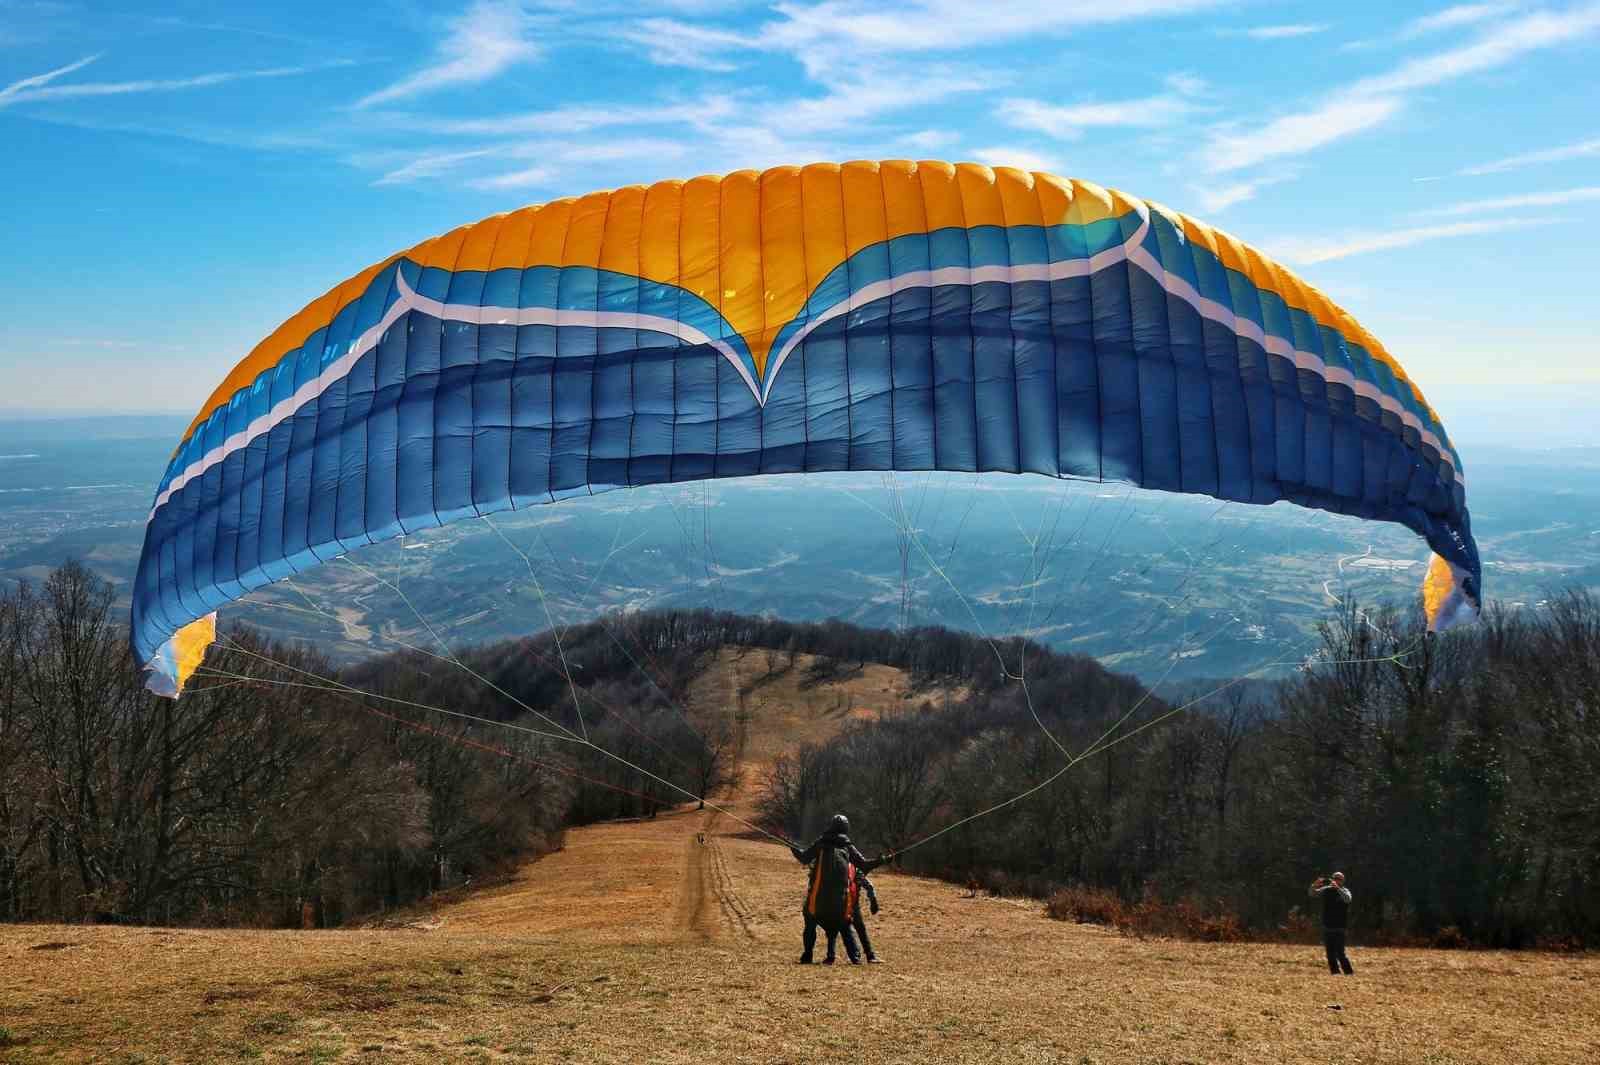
(828, 960)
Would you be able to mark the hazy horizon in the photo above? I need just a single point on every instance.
(1538, 416)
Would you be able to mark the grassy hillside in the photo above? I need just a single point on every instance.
(673, 939)
(638, 944)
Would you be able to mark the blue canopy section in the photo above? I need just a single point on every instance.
(1103, 377)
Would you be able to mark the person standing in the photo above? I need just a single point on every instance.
(831, 891)
(1335, 919)
(864, 884)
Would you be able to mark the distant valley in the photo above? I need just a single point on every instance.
(1167, 587)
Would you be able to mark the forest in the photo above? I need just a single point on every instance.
(1454, 779)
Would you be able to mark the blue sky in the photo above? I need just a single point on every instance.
(182, 177)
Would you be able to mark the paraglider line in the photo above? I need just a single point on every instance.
(566, 669)
(1102, 745)
(339, 688)
(450, 655)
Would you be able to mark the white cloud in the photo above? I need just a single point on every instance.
(575, 119)
(1215, 199)
(1221, 197)
(32, 84)
(1508, 41)
(1274, 33)
(1296, 134)
(1021, 158)
(1305, 252)
(926, 140)
(939, 25)
(430, 165)
(867, 96)
(39, 88)
(1186, 84)
(516, 179)
(1069, 122)
(1451, 18)
(1576, 150)
(536, 162)
(254, 140)
(671, 43)
(1586, 194)
(613, 149)
(1372, 101)
(839, 35)
(1454, 18)
(488, 38)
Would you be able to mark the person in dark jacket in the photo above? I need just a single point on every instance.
(865, 885)
(1335, 918)
(831, 889)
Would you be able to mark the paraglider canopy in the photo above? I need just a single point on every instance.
(863, 316)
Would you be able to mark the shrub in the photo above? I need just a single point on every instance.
(1088, 906)
(1187, 918)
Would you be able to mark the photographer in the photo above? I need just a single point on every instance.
(1335, 913)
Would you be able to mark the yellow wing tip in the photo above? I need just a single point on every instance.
(1445, 600)
(178, 658)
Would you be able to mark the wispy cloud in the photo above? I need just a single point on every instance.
(574, 119)
(942, 25)
(927, 140)
(1452, 18)
(1586, 194)
(1298, 133)
(175, 22)
(867, 96)
(671, 43)
(1373, 101)
(837, 35)
(1507, 41)
(1216, 198)
(1576, 150)
(299, 139)
(484, 41)
(430, 165)
(859, 54)
(1187, 84)
(1068, 122)
(530, 177)
(534, 163)
(32, 84)
(1021, 158)
(1276, 33)
(1305, 252)
(539, 148)
(39, 86)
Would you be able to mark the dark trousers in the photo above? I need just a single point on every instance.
(1333, 940)
(860, 926)
(810, 940)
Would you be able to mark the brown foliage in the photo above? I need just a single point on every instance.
(1086, 905)
(1187, 918)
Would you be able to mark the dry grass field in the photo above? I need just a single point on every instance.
(637, 943)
